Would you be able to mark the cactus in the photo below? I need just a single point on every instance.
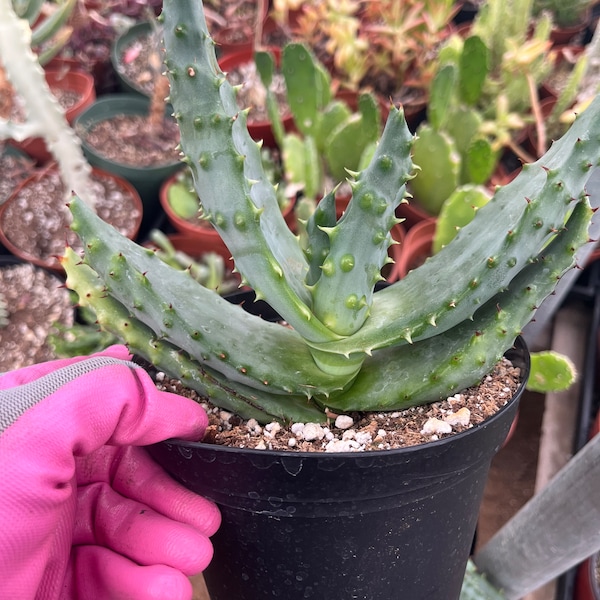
(551, 372)
(457, 211)
(453, 147)
(519, 45)
(331, 139)
(438, 330)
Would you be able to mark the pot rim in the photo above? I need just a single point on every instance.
(519, 348)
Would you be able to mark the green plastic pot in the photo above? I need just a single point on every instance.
(126, 84)
(146, 180)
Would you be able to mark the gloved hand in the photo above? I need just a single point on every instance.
(84, 512)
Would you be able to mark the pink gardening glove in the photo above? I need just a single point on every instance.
(84, 512)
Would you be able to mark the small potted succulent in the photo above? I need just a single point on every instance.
(570, 18)
(371, 524)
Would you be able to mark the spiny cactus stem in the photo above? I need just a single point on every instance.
(226, 163)
(177, 308)
(525, 212)
(114, 317)
(432, 368)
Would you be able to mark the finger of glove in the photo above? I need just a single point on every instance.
(99, 573)
(33, 372)
(132, 529)
(132, 473)
(83, 406)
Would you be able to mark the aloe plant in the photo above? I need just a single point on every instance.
(436, 331)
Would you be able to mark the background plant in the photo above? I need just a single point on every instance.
(329, 138)
(381, 45)
(44, 115)
(520, 53)
(565, 13)
(442, 327)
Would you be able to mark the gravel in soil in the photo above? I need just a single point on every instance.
(360, 432)
(13, 170)
(37, 219)
(35, 300)
(11, 107)
(130, 140)
(138, 62)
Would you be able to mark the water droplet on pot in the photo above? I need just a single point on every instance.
(187, 453)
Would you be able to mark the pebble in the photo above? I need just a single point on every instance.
(313, 431)
(460, 417)
(253, 426)
(344, 422)
(435, 426)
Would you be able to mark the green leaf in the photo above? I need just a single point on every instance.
(442, 90)
(473, 69)
(550, 372)
(479, 162)
(458, 210)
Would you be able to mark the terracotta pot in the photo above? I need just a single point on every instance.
(586, 581)
(259, 130)
(196, 246)
(55, 204)
(416, 247)
(203, 228)
(233, 39)
(193, 246)
(392, 272)
(412, 214)
(587, 585)
(72, 80)
(503, 174)
(561, 35)
(204, 233)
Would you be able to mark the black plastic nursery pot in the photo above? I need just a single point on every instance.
(380, 525)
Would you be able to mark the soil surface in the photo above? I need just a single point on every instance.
(368, 431)
(131, 140)
(141, 62)
(34, 300)
(14, 169)
(11, 106)
(37, 219)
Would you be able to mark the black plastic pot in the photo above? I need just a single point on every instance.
(376, 525)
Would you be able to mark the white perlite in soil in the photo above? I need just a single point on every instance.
(360, 432)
